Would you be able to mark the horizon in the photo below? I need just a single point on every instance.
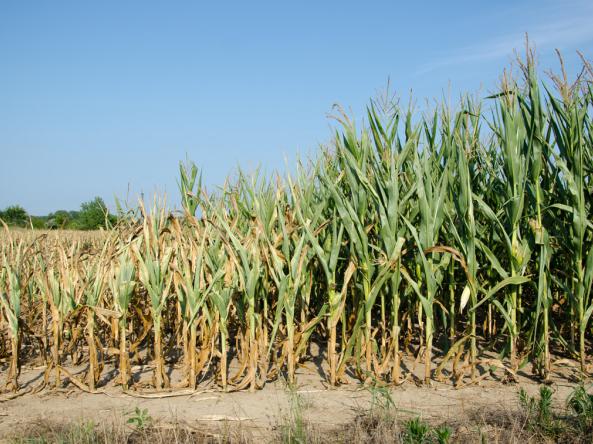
(106, 98)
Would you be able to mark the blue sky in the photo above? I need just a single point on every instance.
(98, 98)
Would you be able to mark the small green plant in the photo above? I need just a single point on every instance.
(294, 430)
(539, 410)
(581, 403)
(417, 431)
(540, 417)
(83, 433)
(380, 398)
(442, 434)
(139, 418)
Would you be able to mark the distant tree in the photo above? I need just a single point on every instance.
(15, 215)
(61, 219)
(38, 222)
(92, 215)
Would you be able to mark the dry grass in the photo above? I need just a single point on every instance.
(491, 426)
(119, 432)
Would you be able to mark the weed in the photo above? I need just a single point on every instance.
(295, 429)
(380, 398)
(139, 418)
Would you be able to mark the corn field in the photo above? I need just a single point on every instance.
(460, 240)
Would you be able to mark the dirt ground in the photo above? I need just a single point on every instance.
(261, 411)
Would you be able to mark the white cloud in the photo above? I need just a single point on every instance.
(555, 31)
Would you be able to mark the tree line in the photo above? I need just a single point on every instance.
(92, 215)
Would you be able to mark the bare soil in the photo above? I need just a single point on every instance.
(261, 411)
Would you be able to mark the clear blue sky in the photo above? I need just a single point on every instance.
(99, 96)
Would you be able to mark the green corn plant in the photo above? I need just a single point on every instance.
(122, 282)
(322, 245)
(193, 287)
(61, 286)
(372, 273)
(40, 282)
(190, 199)
(10, 297)
(287, 286)
(288, 263)
(431, 192)
(154, 257)
(243, 247)
(324, 229)
(311, 203)
(216, 257)
(391, 199)
(538, 133)
(93, 288)
(570, 125)
(350, 195)
(462, 223)
(190, 178)
(221, 297)
(94, 283)
(179, 265)
(515, 151)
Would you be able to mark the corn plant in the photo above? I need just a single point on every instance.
(193, 288)
(462, 219)
(515, 151)
(538, 135)
(122, 282)
(325, 239)
(61, 286)
(243, 248)
(570, 125)
(10, 297)
(391, 198)
(289, 262)
(431, 193)
(94, 276)
(154, 256)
